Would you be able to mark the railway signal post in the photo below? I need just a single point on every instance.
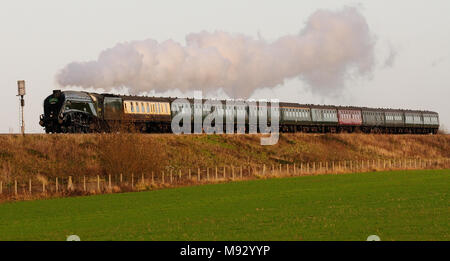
(21, 93)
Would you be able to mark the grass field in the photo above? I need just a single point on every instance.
(397, 205)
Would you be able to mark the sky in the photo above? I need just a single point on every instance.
(39, 38)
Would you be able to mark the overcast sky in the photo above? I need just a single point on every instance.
(39, 38)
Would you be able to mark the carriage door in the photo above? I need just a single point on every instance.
(113, 108)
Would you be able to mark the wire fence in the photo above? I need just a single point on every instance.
(40, 186)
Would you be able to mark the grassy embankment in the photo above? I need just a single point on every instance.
(91, 155)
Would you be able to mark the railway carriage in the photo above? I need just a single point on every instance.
(430, 121)
(373, 120)
(394, 121)
(296, 117)
(324, 118)
(350, 119)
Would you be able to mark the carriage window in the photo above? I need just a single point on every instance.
(132, 107)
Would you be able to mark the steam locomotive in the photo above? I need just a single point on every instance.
(84, 112)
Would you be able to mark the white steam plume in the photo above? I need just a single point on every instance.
(332, 45)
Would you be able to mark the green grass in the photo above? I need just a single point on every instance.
(398, 205)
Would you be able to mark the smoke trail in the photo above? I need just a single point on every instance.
(332, 45)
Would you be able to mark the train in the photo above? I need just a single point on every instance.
(87, 112)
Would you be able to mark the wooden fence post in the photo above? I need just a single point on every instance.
(207, 173)
(216, 173)
(264, 169)
(190, 177)
(171, 178)
(15, 187)
(224, 172)
(132, 180)
(198, 174)
(43, 186)
(98, 183)
(273, 169)
(29, 186)
(109, 181)
(84, 182)
(56, 184)
(1, 187)
(163, 181)
(121, 178)
(69, 183)
(240, 171)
